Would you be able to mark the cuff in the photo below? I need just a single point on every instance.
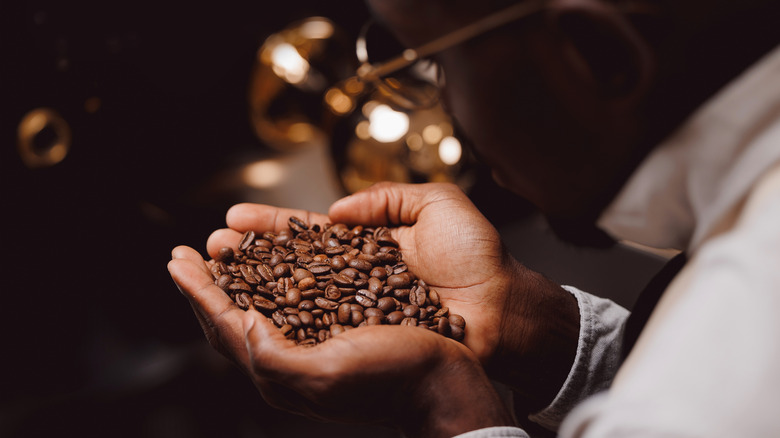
(597, 358)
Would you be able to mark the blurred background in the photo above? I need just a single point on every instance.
(129, 128)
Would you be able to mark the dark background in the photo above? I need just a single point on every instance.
(96, 341)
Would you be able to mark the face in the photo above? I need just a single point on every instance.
(519, 96)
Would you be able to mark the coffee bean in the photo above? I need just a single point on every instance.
(293, 297)
(224, 281)
(297, 225)
(412, 310)
(263, 304)
(457, 320)
(399, 281)
(306, 318)
(294, 321)
(366, 298)
(317, 282)
(326, 304)
(395, 317)
(344, 313)
(246, 240)
(386, 304)
(243, 300)
(373, 311)
(225, 255)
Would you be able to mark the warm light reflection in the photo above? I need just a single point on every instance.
(316, 28)
(300, 132)
(414, 141)
(432, 134)
(36, 148)
(362, 131)
(339, 102)
(450, 150)
(288, 64)
(387, 125)
(263, 174)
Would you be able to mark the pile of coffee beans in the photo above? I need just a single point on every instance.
(316, 282)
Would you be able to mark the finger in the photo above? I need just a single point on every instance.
(258, 217)
(391, 203)
(271, 355)
(183, 252)
(222, 238)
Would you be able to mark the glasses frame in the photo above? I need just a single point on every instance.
(372, 73)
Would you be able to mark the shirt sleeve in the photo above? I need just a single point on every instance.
(595, 363)
(597, 359)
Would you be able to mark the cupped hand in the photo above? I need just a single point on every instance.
(410, 377)
(522, 326)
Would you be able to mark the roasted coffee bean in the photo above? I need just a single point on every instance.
(418, 296)
(373, 311)
(373, 320)
(244, 300)
(265, 272)
(307, 283)
(279, 318)
(344, 313)
(225, 255)
(307, 305)
(294, 321)
(379, 272)
(300, 273)
(360, 265)
(356, 318)
(224, 281)
(316, 282)
(263, 304)
(246, 240)
(457, 333)
(326, 304)
(306, 318)
(412, 310)
(239, 286)
(444, 327)
(457, 320)
(395, 318)
(366, 298)
(293, 296)
(386, 304)
(399, 281)
(332, 292)
(433, 297)
(297, 225)
(409, 321)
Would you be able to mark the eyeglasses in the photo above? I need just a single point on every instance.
(407, 93)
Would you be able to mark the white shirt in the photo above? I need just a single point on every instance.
(707, 364)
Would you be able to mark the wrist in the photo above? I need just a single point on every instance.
(454, 398)
(537, 341)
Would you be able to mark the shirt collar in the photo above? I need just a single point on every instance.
(705, 168)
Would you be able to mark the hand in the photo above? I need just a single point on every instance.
(523, 327)
(423, 382)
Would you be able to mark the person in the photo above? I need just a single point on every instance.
(653, 121)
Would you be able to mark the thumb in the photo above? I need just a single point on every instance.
(388, 203)
(266, 346)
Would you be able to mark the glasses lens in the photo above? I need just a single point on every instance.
(410, 88)
(408, 93)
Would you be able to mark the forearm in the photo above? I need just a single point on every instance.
(457, 398)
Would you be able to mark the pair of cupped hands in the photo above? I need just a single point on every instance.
(521, 328)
